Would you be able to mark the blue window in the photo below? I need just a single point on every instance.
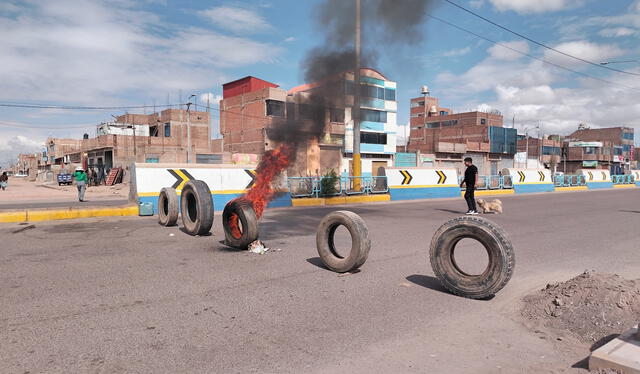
(627, 135)
(546, 150)
(167, 130)
(373, 138)
(390, 94)
(373, 115)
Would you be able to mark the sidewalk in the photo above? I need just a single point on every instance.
(25, 201)
(22, 194)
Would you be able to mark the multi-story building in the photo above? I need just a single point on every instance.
(604, 148)
(251, 106)
(545, 152)
(449, 137)
(157, 137)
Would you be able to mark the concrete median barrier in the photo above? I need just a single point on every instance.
(596, 178)
(422, 183)
(226, 182)
(530, 180)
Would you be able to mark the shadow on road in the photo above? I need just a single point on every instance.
(629, 211)
(427, 282)
(451, 211)
(316, 261)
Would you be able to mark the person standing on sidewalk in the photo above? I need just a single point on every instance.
(470, 180)
(4, 180)
(81, 182)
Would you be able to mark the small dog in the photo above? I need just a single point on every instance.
(494, 206)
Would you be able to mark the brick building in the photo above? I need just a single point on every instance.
(250, 106)
(604, 148)
(156, 137)
(546, 151)
(449, 137)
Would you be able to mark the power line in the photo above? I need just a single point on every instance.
(531, 56)
(77, 107)
(538, 43)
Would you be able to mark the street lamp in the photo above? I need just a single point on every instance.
(189, 129)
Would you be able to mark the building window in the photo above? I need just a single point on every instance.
(167, 130)
(373, 115)
(547, 150)
(415, 104)
(275, 108)
(483, 121)
(443, 113)
(617, 151)
(390, 94)
(373, 138)
(337, 115)
(153, 131)
(589, 150)
(627, 135)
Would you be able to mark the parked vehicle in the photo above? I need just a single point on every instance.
(64, 179)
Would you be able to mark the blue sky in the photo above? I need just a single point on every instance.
(125, 52)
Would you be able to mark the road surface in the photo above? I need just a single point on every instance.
(126, 295)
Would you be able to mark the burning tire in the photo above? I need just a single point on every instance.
(197, 208)
(499, 249)
(240, 223)
(360, 243)
(168, 207)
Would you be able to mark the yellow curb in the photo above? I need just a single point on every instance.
(13, 216)
(572, 188)
(624, 186)
(339, 200)
(307, 202)
(491, 192)
(71, 213)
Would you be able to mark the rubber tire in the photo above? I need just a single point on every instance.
(499, 250)
(248, 219)
(169, 198)
(360, 242)
(202, 209)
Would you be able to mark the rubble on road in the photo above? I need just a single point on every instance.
(592, 306)
(257, 247)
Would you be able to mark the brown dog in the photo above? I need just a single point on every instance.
(494, 206)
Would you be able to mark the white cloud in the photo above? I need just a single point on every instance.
(457, 52)
(583, 49)
(87, 52)
(501, 53)
(616, 32)
(290, 39)
(534, 6)
(537, 92)
(11, 146)
(211, 97)
(237, 20)
(476, 4)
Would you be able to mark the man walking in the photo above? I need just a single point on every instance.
(470, 180)
(81, 182)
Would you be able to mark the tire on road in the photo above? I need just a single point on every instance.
(248, 223)
(196, 207)
(168, 207)
(497, 244)
(360, 242)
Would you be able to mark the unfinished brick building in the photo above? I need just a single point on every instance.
(450, 137)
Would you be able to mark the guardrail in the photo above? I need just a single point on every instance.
(569, 180)
(622, 179)
(327, 186)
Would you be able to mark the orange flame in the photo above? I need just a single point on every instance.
(271, 165)
(234, 227)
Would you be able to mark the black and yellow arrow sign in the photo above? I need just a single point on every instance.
(407, 177)
(541, 174)
(441, 177)
(522, 176)
(182, 176)
(252, 174)
(590, 175)
(604, 176)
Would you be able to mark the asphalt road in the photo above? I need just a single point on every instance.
(124, 295)
(72, 202)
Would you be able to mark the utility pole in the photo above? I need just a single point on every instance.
(189, 129)
(357, 163)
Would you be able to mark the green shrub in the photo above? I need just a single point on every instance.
(329, 183)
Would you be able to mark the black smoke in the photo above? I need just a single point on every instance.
(387, 25)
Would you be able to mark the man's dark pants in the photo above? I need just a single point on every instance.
(471, 201)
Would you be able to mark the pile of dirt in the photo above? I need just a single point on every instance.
(592, 306)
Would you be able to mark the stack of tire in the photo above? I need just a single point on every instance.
(195, 204)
